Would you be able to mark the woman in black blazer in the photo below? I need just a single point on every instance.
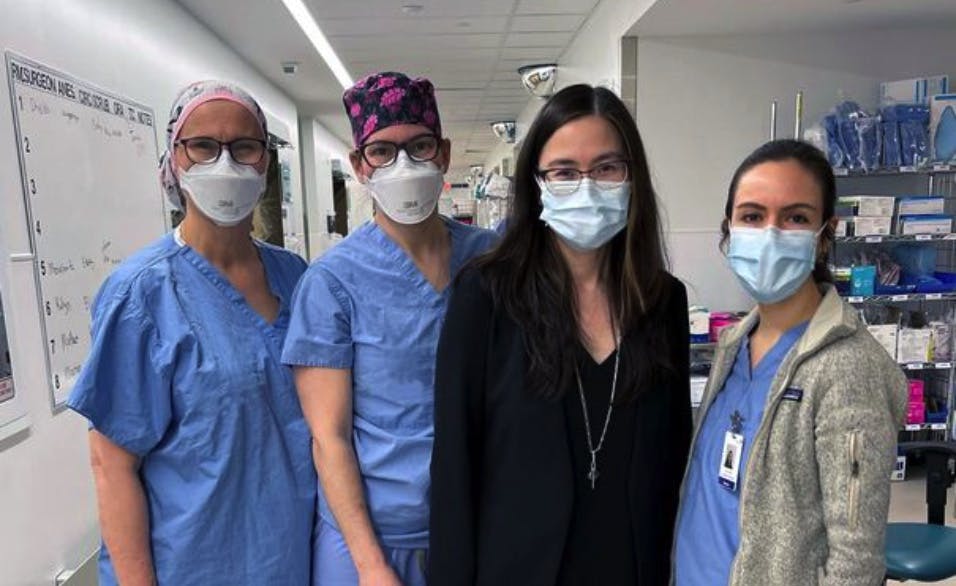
(562, 417)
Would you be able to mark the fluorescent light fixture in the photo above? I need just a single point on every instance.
(307, 23)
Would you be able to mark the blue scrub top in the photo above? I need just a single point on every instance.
(185, 374)
(708, 530)
(365, 306)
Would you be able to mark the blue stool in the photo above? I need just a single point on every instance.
(918, 551)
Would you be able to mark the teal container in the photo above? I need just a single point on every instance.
(862, 280)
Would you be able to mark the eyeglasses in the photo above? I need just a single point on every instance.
(383, 153)
(565, 180)
(203, 150)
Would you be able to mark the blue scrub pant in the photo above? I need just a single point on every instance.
(332, 565)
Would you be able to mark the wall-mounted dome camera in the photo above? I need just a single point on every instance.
(504, 129)
(539, 79)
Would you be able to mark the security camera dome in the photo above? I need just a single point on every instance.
(504, 129)
(539, 79)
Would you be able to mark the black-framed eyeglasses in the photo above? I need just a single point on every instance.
(203, 150)
(566, 180)
(382, 153)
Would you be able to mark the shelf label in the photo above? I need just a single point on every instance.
(874, 239)
(934, 296)
(938, 426)
(941, 167)
(949, 237)
(924, 237)
(899, 298)
(908, 169)
(854, 300)
(944, 365)
(914, 366)
(841, 171)
(914, 427)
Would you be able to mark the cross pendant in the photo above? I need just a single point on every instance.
(593, 473)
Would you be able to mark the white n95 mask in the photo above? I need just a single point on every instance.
(225, 191)
(770, 263)
(589, 217)
(406, 191)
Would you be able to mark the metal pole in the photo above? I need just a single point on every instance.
(798, 116)
(773, 120)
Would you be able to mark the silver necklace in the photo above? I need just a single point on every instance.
(593, 472)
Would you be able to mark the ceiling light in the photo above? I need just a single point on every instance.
(311, 29)
(539, 79)
(412, 9)
(504, 129)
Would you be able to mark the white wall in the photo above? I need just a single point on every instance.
(593, 57)
(146, 50)
(319, 148)
(703, 104)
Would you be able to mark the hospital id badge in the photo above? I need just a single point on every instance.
(730, 460)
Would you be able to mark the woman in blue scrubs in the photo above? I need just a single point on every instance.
(199, 449)
(788, 481)
(364, 331)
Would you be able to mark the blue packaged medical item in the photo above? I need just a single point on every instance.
(869, 131)
(835, 148)
(892, 153)
(854, 137)
(909, 124)
(862, 280)
(943, 127)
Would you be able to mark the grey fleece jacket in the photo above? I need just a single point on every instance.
(816, 491)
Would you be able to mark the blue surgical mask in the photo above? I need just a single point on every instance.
(588, 217)
(770, 263)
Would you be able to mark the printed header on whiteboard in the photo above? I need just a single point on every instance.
(25, 72)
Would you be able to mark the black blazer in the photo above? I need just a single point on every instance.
(502, 491)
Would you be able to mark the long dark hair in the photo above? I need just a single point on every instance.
(814, 162)
(529, 278)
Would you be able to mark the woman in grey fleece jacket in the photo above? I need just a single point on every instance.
(808, 502)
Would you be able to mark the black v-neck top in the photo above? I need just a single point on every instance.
(510, 498)
(599, 548)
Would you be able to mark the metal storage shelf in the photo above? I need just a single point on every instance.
(926, 427)
(874, 239)
(937, 180)
(909, 297)
(931, 170)
(926, 365)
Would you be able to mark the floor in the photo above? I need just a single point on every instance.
(908, 503)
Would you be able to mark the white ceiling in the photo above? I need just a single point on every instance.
(470, 49)
(737, 17)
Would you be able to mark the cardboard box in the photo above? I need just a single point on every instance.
(913, 91)
(886, 335)
(697, 384)
(870, 205)
(872, 226)
(914, 345)
(899, 470)
(841, 228)
(937, 224)
(921, 205)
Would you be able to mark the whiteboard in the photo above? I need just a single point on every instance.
(88, 164)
